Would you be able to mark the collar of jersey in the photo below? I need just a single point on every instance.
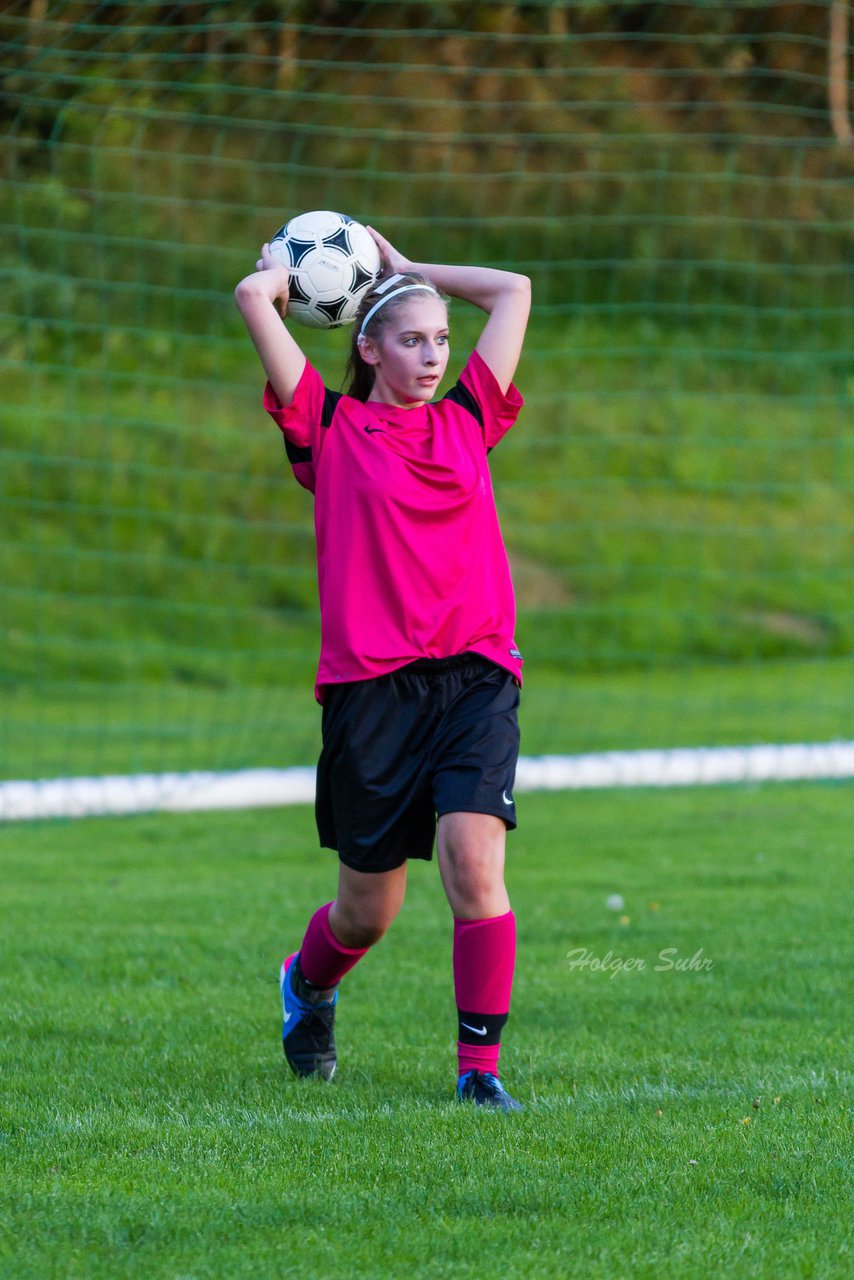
(396, 412)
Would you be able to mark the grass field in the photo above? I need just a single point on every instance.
(679, 1123)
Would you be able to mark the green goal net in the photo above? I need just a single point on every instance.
(677, 496)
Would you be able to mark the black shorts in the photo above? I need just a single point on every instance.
(440, 735)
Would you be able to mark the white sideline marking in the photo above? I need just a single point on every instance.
(262, 788)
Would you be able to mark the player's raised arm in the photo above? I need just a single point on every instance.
(505, 295)
(256, 297)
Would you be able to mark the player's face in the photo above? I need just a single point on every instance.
(411, 356)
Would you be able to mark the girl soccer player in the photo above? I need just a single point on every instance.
(419, 671)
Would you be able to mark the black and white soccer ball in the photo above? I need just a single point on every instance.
(333, 263)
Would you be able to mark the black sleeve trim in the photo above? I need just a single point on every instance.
(330, 404)
(300, 453)
(464, 398)
(296, 453)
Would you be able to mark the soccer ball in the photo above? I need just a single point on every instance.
(333, 262)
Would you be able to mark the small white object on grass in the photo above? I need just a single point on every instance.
(615, 902)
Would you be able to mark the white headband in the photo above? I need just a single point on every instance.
(394, 294)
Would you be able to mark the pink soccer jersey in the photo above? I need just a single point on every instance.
(410, 559)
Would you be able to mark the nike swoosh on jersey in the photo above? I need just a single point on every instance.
(479, 1031)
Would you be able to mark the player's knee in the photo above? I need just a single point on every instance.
(369, 933)
(360, 926)
(475, 877)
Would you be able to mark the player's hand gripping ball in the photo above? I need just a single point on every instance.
(333, 262)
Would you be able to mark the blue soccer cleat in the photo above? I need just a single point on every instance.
(485, 1090)
(308, 1036)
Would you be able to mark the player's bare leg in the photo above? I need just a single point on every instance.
(471, 863)
(366, 904)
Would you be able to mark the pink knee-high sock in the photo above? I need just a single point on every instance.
(322, 958)
(484, 960)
